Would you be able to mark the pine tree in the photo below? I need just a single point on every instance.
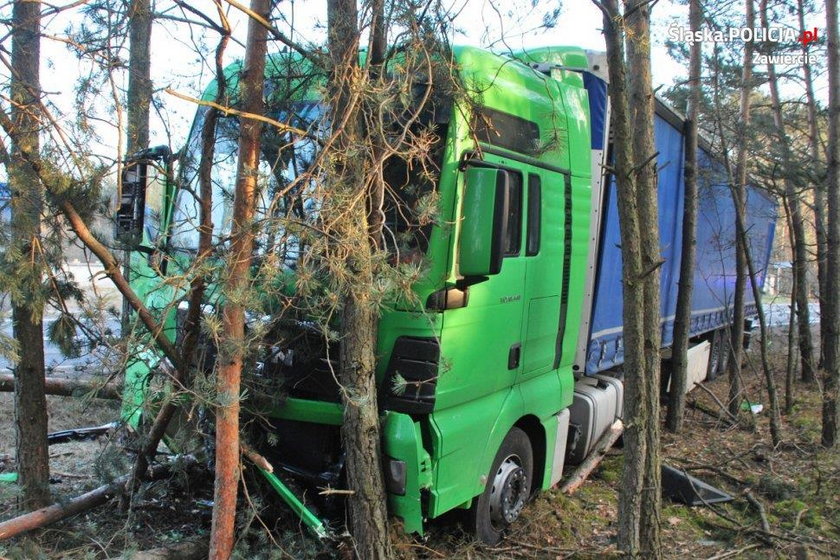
(632, 104)
(682, 320)
(28, 256)
(831, 342)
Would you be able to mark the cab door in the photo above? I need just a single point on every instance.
(544, 232)
(481, 358)
(482, 341)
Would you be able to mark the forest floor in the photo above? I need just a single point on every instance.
(797, 485)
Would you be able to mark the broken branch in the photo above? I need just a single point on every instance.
(595, 456)
(56, 512)
(729, 415)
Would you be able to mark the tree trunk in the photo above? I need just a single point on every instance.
(346, 216)
(739, 200)
(831, 344)
(192, 323)
(769, 379)
(27, 302)
(629, 505)
(819, 190)
(232, 345)
(638, 532)
(682, 320)
(376, 58)
(644, 151)
(378, 33)
(111, 268)
(800, 271)
(137, 101)
(791, 341)
(139, 74)
(800, 251)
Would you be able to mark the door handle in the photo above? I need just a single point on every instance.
(513, 355)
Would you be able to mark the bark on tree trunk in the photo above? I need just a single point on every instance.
(27, 303)
(348, 221)
(739, 200)
(137, 100)
(360, 431)
(791, 342)
(376, 197)
(831, 344)
(638, 532)
(819, 190)
(682, 320)
(770, 381)
(233, 344)
(632, 477)
(139, 74)
(50, 514)
(644, 151)
(192, 323)
(800, 251)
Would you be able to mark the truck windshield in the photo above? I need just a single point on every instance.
(286, 186)
(289, 181)
(410, 201)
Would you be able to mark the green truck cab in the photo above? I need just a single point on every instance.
(475, 381)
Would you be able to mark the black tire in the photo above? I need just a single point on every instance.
(718, 354)
(723, 364)
(714, 356)
(507, 490)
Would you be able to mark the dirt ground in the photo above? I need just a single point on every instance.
(63, 413)
(797, 485)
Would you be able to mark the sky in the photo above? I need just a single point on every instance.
(502, 25)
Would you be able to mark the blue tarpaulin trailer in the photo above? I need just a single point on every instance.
(714, 279)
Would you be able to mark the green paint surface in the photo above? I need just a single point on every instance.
(478, 398)
(9, 477)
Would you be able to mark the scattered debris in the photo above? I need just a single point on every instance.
(600, 449)
(680, 486)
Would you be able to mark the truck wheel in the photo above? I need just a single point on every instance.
(718, 354)
(714, 356)
(508, 488)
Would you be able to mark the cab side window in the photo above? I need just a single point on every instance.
(513, 237)
(534, 215)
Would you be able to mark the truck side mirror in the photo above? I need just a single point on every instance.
(485, 216)
(132, 202)
(144, 179)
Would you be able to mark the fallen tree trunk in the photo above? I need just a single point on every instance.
(56, 512)
(66, 387)
(601, 447)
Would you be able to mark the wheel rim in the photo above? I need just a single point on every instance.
(509, 492)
